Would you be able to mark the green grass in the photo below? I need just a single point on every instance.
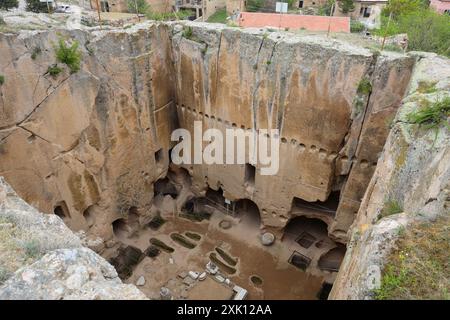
(69, 55)
(390, 207)
(187, 32)
(364, 87)
(2, 79)
(54, 70)
(220, 16)
(419, 268)
(431, 115)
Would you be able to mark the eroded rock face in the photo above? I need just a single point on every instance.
(413, 171)
(90, 145)
(50, 260)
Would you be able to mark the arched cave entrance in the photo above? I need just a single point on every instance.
(61, 210)
(125, 227)
(331, 261)
(248, 212)
(165, 187)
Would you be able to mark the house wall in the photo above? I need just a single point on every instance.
(122, 6)
(440, 5)
(308, 3)
(234, 6)
(212, 6)
(372, 21)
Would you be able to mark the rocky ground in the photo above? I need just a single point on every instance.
(40, 258)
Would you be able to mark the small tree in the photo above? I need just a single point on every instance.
(8, 4)
(142, 6)
(399, 7)
(325, 9)
(346, 6)
(36, 6)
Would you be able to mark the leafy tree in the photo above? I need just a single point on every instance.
(347, 6)
(142, 6)
(8, 4)
(325, 9)
(254, 5)
(427, 31)
(36, 6)
(399, 7)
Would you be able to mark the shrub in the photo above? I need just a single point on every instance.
(2, 21)
(399, 7)
(36, 52)
(325, 9)
(364, 87)
(142, 6)
(356, 26)
(36, 6)
(432, 115)
(2, 79)
(54, 70)
(71, 56)
(8, 4)
(346, 6)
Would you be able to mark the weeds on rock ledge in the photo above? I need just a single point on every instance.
(187, 33)
(2, 79)
(390, 207)
(431, 115)
(364, 87)
(420, 266)
(54, 70)
(71, 56)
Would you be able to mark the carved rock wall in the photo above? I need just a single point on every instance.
(92, 143)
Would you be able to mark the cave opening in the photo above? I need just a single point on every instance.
(61, 210)
(250, 172)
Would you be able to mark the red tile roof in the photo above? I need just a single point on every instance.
(294, 21)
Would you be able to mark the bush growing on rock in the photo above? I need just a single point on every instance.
(71, 56)
(54, 70)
